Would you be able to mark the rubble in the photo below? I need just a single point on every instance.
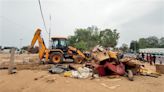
(106, 62)
(59, 68)
(82, 73)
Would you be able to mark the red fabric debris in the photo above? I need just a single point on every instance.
(118, 69)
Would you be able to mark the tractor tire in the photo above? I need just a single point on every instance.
(56, 57)
(78, 59)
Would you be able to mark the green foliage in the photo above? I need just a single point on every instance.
(87, 38)
(109, 38)
(72, 40)
(151, 42)
(142, 43)
(81, 45)
(124, 47)
(134, 45)
(161, 42)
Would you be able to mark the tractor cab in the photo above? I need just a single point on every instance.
(59, 43)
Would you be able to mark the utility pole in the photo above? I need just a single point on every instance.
(50, 31)
(42, 15)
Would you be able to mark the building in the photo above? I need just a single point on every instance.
(152, 50)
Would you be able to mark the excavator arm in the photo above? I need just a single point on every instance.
(77, 55)
(42, 47)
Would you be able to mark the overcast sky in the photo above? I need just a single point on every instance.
(132, 18)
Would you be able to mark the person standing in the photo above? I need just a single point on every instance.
(143, 56)
(150, 59)
(154, 59)
(147, 57)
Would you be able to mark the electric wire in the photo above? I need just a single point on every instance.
(42, 15)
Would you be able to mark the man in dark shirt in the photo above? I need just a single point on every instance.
(150, 58)
(147, 57)
(143, 56)
(154, 59)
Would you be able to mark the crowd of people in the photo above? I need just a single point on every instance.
(148, 57)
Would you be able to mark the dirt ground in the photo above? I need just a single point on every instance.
(42, 81)
(39, 80)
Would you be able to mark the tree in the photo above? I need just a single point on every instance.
(161, 42)
(91, 37)
(109, 38)
(124, 47)
(142, 43)
(134, 46)
(72, 40)
(94, 38)
(81, 45)
(152, 42)
(88, 37)
(81, 38)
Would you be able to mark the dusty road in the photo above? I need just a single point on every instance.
(42, 81)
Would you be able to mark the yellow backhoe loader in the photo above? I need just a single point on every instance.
(59, 50)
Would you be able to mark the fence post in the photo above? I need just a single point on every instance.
(11, 62)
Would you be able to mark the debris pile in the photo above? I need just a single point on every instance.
(105, 62)
(81, 72)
